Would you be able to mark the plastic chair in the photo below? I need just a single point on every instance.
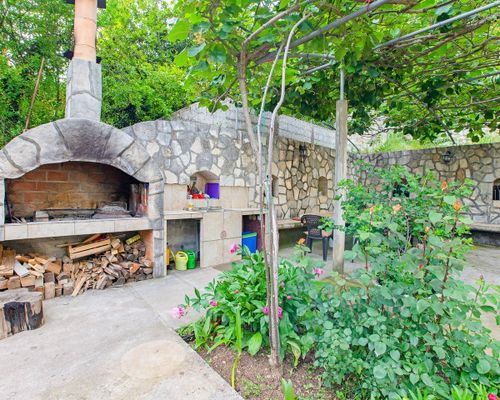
(312, 222)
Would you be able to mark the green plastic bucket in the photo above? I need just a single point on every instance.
(191, 264)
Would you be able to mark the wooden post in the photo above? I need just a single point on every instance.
(340, 174)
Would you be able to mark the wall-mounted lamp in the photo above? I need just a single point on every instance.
(302, 152)
(447, 156)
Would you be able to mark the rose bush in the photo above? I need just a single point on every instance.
(405, 320)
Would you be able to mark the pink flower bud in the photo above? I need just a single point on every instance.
(289, 297)
(236, 291)
(177, 312)
(265, 310)
(318, 271)
(233, 248)
(213, 303)
(280, 312)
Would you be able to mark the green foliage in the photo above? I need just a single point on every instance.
(240, 295)
(140, 81)
(406, 320)
(287, 389)
(326, 224)
(443, 80)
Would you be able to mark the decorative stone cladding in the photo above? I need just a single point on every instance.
(195, 140)
(298, 178)
(480, 163)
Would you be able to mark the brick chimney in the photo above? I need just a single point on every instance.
(84, 86)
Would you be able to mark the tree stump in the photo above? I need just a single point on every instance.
(20, 310)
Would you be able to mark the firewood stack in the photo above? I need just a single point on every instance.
(98, 262)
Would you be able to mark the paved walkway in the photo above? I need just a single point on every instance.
(118, 343)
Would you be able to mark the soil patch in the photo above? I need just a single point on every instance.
(256, 380)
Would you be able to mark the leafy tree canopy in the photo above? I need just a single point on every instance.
(436, 83)
(140, 81)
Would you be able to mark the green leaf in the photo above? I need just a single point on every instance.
(195, 50)
(422, 305)
(395, 355)
(426, 379)
(255, 343)
(217, 54)
(414, 378)
(435, 217)
(180, 31)
(483, 366)
(450, 200)
(379, 371)
(380, 348)
(296, 352)
(363, 341)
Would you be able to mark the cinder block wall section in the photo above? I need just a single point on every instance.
(66, 185)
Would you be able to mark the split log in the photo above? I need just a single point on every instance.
(20, 310)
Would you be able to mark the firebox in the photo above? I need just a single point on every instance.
(74, 190)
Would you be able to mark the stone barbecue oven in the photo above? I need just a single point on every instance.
(51, 155)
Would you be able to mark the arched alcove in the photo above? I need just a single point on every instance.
(204, 182)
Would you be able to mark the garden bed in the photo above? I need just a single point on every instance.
(256, 380)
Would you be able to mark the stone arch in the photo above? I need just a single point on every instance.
(76, 139)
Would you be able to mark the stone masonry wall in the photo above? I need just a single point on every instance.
(298, 178)
(480, 163)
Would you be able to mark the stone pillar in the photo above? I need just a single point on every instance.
(340, 174)
(83, 90)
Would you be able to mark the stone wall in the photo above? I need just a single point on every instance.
(298, 178)
(480, 163)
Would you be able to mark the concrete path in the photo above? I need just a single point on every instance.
(118, 343)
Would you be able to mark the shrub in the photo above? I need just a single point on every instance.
(242, 290)
(405, 320)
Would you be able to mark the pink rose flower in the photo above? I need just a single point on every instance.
(282, 284)
(289, 297)
(177, 312)
(265, 310)
(233, 248)
(491, 396)
(280, 312)
(236, 291)
(318, 272)
(213, 303)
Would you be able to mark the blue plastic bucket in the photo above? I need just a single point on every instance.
(249, 239)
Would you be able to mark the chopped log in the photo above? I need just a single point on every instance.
(35, 273)
(4, 283)
(79, 284)
(54, 267)
(59, 290)
(20, 310)
(49, 290)
(92, 238)
(22, 259)
(14, 282)
(49, 277)
(68, 289)
(96, 250)
(27, 281)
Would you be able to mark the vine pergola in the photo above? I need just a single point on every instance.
(429, 67)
